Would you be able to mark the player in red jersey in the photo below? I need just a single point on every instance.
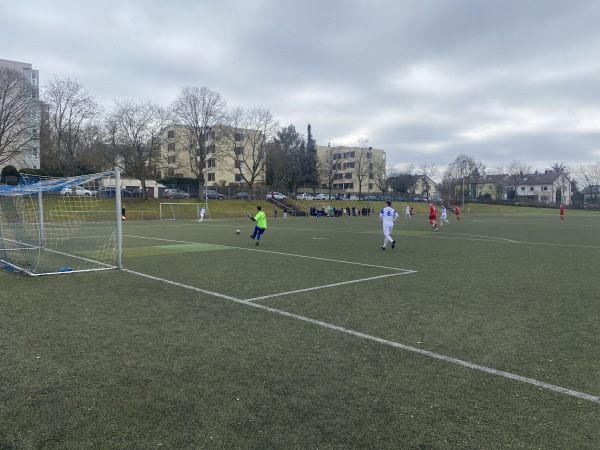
(561, 212)
(433, 217)
(457, 212)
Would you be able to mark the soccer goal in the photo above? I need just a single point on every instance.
(180, 211)
(61, 225)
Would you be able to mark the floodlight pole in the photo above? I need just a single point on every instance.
(369, 180)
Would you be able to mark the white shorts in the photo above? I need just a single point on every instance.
(387, 228)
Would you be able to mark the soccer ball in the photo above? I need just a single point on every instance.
(237, 231)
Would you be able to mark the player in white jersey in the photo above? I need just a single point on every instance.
(407, 212)
(444, 217)
(202, 212)
(388, 216)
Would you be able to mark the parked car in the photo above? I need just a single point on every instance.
(419, 199)
(304, 196)
(369, 198)
(353, 198)
(175, 193)
(245, 196)
(212, 194)
(111, 191)
(275, 196)
(322, 197)
(77, 191)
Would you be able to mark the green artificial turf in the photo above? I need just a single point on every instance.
(312, 339)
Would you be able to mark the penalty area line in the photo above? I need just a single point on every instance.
(427, 353)
(342, 283)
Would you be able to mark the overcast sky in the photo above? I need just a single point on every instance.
(424, 80)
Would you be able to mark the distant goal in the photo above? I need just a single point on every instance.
(181, 211)
(60, 225)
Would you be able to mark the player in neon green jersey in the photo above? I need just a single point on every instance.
(261, 224)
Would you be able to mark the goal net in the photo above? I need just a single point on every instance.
(60, 225)
(181, 211)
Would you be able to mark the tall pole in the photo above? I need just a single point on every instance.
(369, 180)
(119, 219)
(462, 194)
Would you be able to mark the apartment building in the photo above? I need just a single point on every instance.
(230, 155)
(354, 169)
(30, 156)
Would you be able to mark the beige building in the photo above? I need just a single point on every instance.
(30, 157)
(354, 169)
(230, 157)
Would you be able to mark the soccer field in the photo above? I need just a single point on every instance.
(484, 335)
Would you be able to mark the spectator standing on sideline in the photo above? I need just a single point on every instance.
(388, 216)
(202, 212)
(284, 213)
(125, 218)
(275, 213)
(261, 224)
(561, 212)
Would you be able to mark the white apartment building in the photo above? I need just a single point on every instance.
(30, 158)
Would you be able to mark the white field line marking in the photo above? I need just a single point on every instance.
(449, 359)
(325, 286)
(502, 241)
(254, 249)
(185, 286)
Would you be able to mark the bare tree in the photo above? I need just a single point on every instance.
(16, 105)
(517, 170)
(251, 133)
(202, 111)
(466, 170)
(135, 133)
(380, 176)
(430, 171)
(71, 110)
(362, 163)
(328, 169)
(589, 177)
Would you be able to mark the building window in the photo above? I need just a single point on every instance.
(531, 188)
(239, 136)
(238, 177)
(522, 188)
(211, 163)
(171, 134)
(171, 147)
(239, 151)
(171, 160)
(211, 177)
(237, 164)
(348, 175)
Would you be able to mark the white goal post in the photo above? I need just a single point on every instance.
(61, 225)
(181, 211)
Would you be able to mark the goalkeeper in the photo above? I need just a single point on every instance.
(261, 224)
